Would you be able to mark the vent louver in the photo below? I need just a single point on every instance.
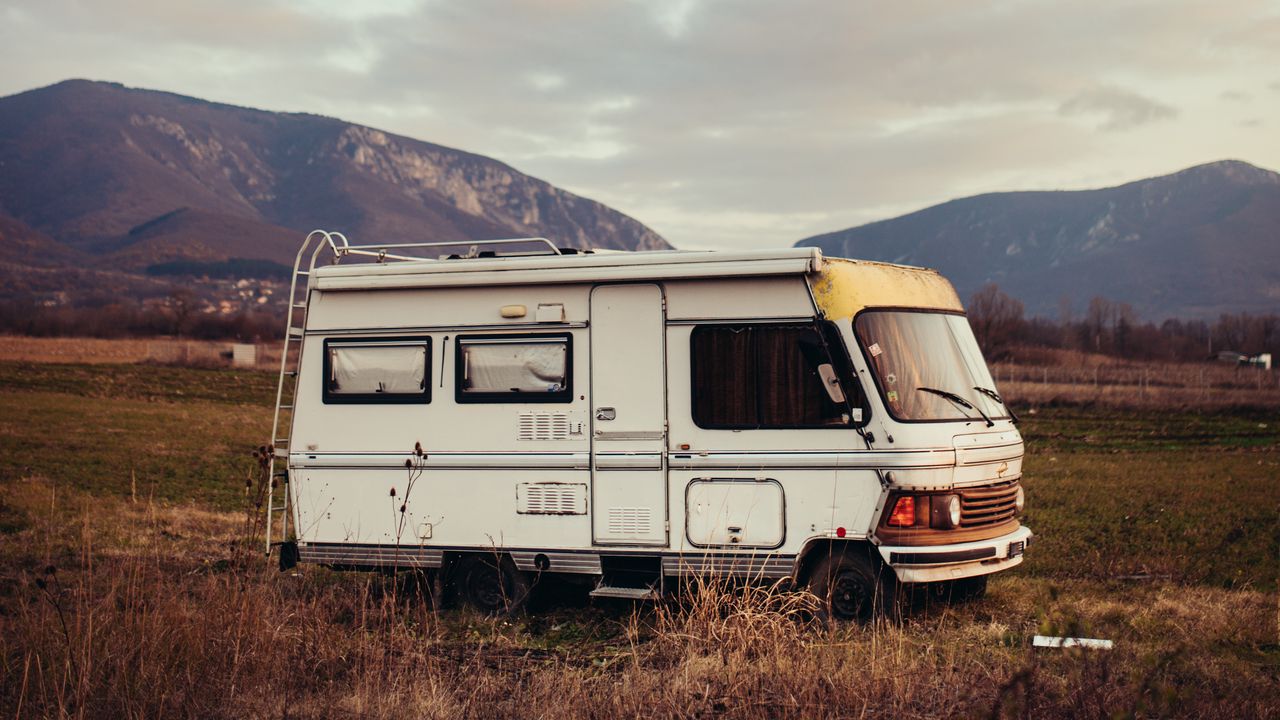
(552, 499)
(629, 521)
(544, 426)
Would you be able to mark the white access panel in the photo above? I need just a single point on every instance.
(735, 513)
(628, 416)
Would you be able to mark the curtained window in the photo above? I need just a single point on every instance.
(766, 376)
(530, 368)
(377, 370)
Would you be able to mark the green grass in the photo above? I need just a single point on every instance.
(175, 435)
(1176, 496)
(1188, 517)
(1102, 430)
(153, 383)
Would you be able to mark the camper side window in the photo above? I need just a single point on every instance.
(514, 368)
(377, 370)
(768, 377)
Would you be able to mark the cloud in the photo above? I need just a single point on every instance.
(717, 122)
(1117, 109)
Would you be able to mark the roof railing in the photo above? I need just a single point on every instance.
(340, 247)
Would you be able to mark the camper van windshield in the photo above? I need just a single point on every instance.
(920, 358)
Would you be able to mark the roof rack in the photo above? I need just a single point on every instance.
(338, 243)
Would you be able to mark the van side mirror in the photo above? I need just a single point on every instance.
(831, 383)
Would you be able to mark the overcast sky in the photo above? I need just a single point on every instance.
(720, 124)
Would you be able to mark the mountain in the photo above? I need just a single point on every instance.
(24, 246)
(126, 179)
(1196, 243)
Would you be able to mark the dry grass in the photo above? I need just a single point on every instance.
(1138, 397)
(115, 609)
(1099, 381)
(164, 351)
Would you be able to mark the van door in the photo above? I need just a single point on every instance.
(628, 418)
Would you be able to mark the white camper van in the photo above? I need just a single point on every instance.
(634, 418)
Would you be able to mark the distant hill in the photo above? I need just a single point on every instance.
(24, 246)
(127, 179)
(1196, 243)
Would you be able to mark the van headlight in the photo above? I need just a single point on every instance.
(1019, 500)
(945, 513)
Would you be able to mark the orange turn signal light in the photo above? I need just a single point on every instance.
(904, 512)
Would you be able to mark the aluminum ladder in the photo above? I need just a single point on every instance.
(290, 362)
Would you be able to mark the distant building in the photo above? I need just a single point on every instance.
(58, 298)
(1261, 360)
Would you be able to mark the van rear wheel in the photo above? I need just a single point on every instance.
(853, 587)
(491, 585)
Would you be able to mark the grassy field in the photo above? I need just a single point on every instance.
(127, 591)
(116, 351)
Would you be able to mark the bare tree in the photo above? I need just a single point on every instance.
(1097, 322)
(996, 319)
(181, 304)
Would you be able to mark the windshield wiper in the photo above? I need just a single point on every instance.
(1013, 417)
(959, 401)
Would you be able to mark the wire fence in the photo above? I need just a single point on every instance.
(1203, 384)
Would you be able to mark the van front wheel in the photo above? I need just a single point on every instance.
(852, 587)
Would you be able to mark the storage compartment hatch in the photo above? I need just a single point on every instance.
(735, 513)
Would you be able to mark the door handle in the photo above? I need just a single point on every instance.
(606, 413)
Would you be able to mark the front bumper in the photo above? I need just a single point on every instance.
(934, 563)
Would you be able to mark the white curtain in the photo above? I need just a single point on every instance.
(515, 367)
(393, 369)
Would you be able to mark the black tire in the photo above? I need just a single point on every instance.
(491, 585)
(854, 587)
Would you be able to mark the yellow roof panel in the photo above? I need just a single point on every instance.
(844, 287)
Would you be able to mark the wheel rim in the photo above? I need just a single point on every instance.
(851, 597)
(485, 589)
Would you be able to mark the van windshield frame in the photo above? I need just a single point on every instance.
(908, 349)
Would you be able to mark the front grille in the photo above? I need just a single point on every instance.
(988, 505)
